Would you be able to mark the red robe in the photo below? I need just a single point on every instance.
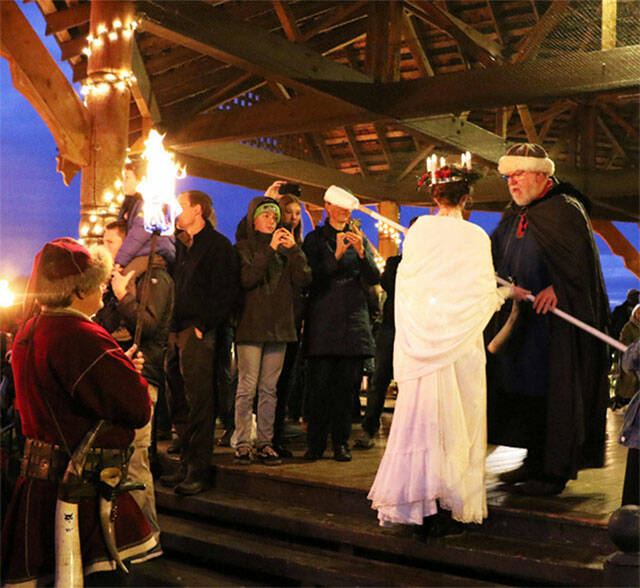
(85, 376)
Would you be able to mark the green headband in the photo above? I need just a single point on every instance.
(267, 207)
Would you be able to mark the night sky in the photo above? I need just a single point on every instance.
(36, 206)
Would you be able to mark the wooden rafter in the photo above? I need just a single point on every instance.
(420, 156)
(612, 138)
(471, 41)
(241, 44)
(550, 113)
(381, 132)
(352, 140)
(38, 78)
(287, 20)
(619, 244)
(531, 42)
(632, 130)
(338, 17)
(609, 13)
(527, 123)
(142, 91)
(324, 151)
(415, 46)
(63, 20)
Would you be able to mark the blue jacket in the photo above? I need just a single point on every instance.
(137, 243)
(630, 434)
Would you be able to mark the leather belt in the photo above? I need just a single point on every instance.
(48, 461)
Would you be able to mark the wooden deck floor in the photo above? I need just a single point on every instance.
(593, 496)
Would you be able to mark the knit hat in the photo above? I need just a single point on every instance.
(268, 206)
(64, 266)
(526, 157)
(341, 197)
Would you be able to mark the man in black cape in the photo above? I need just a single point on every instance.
(548, 388)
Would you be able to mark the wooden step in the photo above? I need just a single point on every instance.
(307, 564)
(272, 484)
(476, 554)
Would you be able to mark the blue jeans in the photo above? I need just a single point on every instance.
(259, 367)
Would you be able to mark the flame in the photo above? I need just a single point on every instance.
(6, 296)
(158, 186)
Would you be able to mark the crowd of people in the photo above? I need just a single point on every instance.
(184, 307)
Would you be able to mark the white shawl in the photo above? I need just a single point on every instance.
(445, 294)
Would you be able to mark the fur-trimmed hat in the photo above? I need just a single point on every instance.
(341, 197)
(64, 266)
(526, 157)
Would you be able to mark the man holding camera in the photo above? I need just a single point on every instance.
(337, 335)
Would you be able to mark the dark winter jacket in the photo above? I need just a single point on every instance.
(207, 281)
(337, 321)
(156, 319)
(270, 281)
(138, 240)
(388, 283)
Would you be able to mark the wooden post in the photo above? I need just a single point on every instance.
(386, 245)
(107, 98)
(609, 13)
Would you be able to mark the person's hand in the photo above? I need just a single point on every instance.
(276, 238)
(198, 332)
(120, 283)
(136, 358)
(342, 244)
(354, 237)
(518, 293)
(286, 238)
(545, 300)
(273, 190)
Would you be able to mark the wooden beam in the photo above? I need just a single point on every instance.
(483, 48)
(279, 91)
(492, 5)
(300, 114)
(352, 140)
(381, 132)
(587, 136)
(611, 113)
(564, 76)
(609, 14)
(72, 48)
(436, 95)
(324, 150)
(612, 138)
(342, 13)
(242, 44)
(415, 46)
(618, 244)
(287, 20)
(527, 123)
(38, 78)
(421, 156)
(531, 42)
(369, 189)
(142, 91)
(65, 19)
(549, 114)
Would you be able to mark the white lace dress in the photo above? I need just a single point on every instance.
(445, 295)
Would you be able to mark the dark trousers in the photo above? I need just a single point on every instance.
(225, 388)
(329, 399)
(381, 379)
(630, 490)
(286, 382)
(196, 366)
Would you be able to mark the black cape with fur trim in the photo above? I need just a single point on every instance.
(577, 396)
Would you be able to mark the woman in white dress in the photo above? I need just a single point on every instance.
(445, 294)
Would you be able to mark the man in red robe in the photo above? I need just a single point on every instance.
(69, 374)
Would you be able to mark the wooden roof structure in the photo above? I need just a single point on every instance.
(358, 93)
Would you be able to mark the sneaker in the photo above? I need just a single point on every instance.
(283, 451)
(365, 441)
(243, 455)
(268, 456)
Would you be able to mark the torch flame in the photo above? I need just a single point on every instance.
(158, 186)
(6, 296)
